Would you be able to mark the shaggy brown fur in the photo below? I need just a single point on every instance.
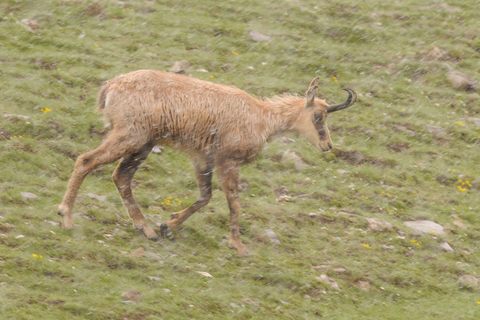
(217, 125)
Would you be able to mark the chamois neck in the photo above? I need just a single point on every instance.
(284, 111)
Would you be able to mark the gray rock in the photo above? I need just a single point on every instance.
(28, 196)
(461, 81)
(259, 37)
(291, 157)
(323, 278)
(363, 285)
(180, 66)
(271, 235)
(97, 197)
(437, 132)
(470, 282)
(446, 247)
(131, 296)
(425, 227)
(379, 225)
(16, 117)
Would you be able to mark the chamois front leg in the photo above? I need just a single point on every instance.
(229, 178)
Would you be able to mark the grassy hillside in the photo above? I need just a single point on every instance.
(408, 150)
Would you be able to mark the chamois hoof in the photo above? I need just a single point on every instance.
(149, 233)
(165, 232)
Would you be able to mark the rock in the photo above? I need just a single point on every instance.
(97, 197)
(461, 81)
(30, 24)
(137, 253)
(131, 296)
(446, 247)
(475, 121)
(339, 270)
(476, 184)
(205, 274)
(323, 278)
(405, 130)
(154, 278)
(180, 66)
(282, 194)
(363, 285)
(4, 134)
(259, 37)
(469, 282)
(313, 215)
(16, 117)
(291, 157)
(272, 236)
(437, 132)
(28, 196)
(157, 149)
(425, 227)
(437, 54)
(379, 225)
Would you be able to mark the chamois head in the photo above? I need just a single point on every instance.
(312, 121)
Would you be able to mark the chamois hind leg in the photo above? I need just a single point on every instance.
(112, 148)
(122, 176)
(204, 172)
(229, 178)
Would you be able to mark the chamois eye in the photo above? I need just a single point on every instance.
(318, 117)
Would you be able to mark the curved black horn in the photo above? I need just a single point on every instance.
(352, 97)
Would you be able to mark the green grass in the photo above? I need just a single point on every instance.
(390, 166)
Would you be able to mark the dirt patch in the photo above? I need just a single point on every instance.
(398, 146)
(4, 134)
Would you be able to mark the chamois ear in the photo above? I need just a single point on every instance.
(311, 92)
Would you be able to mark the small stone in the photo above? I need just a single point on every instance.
(137, 253)
(20, 236)
(131, 296)
(437, 132)
(461, 81)
(446, 247)
(437, 54)
(97, 197)
(469, 282)
(475, 121)
(166, 290)
(259, 37)
(339, 270)
(154, 278)
(291, 157)
(328, 281)
(313, 214)
(30, 24)
(379, 225)
(28, 196)
(363, 285)
(425, 227)
(180, 66)
(157, 149)
(203, 70)
(205, 274)
(16, 117)
(272, 236)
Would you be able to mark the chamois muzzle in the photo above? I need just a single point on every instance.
(352, 97)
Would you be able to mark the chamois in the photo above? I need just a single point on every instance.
(217, 125)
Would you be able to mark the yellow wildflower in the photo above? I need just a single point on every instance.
(416, 243)
(45, 110)
(366, 246)
(37, 256)
(334, 78)
(463, 184)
